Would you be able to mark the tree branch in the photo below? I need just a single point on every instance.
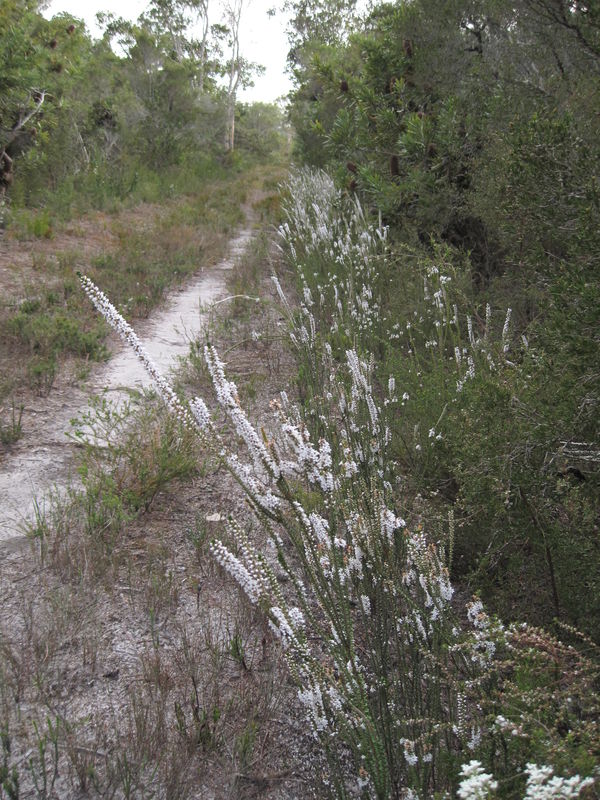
(38, 99)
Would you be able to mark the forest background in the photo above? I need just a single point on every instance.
(471, 127)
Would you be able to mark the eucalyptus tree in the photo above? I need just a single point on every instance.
(233, 15)
(238, 70)
(179, 19)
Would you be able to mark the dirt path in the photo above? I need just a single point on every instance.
(42, 461)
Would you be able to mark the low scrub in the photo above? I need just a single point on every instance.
(408, 692)
(138, 254)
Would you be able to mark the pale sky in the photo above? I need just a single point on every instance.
(263, 38)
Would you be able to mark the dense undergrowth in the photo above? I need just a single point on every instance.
(481, 429)
(468, 128)
(464, 133)
(459, 436)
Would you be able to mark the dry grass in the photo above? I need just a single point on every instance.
(130, 666)
(136, 254)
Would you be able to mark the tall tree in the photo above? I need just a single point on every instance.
(40, 63)
(233, 16)
(203, 21)
(239, 70)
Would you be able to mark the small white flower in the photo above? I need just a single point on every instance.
(476, 784)
(542, 784)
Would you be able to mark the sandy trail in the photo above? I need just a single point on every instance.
(42, 462)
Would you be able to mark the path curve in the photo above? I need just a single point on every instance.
(43, 460)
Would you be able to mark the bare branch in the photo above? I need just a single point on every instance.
(38, 98)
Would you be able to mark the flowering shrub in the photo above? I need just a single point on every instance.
(542, 784)
(476, 425)
(370, 591)
(392, 682)
(475, 784)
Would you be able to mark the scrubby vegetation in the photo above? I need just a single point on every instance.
(399, 682)
(113, 159)
(419, 531)
(469, 128)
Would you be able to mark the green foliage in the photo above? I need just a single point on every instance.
(129, 453)
(131, 456)
(9, 777)
(453, 128)
(50, 333)
(260, 129)
(11, 430)
(90, 124)
(483, 430)
(27, 224)
(472, 125)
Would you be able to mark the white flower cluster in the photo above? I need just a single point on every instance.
(227, 396)
(542, 784)
(201, 413)
(311, 697)
(249, 583)
(323, 227)
(483, 649)
(287, 626)
(480, 347)
(475, 784)
(409, 752)
(390, 523)
(256, 489)
(361, 389)
(427, 580)
(126, 332)
(438, 330)
(249, 571)
(313, 462)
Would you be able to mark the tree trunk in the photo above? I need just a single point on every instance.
(233, 13)
(231, 126)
